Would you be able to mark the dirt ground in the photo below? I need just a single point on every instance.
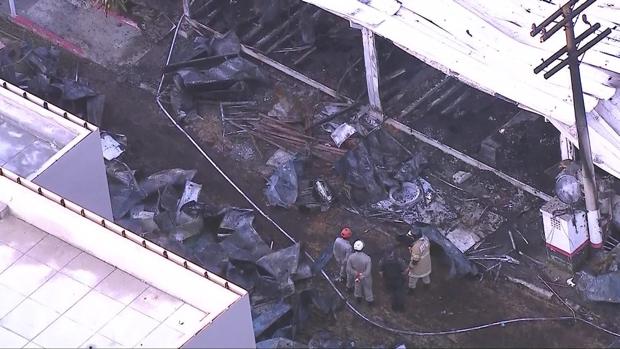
(154, 144)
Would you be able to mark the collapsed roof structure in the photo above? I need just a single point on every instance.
(487, 45)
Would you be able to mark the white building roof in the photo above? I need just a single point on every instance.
(487, 44)
(69, 278)
(32, 137)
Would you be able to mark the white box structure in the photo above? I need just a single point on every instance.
(49, 146)
(88, 282)
(566, 231)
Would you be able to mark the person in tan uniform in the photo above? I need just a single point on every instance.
(420, 262)
(359, 269)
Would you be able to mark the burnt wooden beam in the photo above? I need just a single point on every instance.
(372, 70)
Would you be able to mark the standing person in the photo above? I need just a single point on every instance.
(393, 270)
(420, 262)
(359, 273)
(342, 251)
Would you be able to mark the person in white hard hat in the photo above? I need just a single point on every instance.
(359, 276)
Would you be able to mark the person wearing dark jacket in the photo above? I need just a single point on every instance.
(393, 270)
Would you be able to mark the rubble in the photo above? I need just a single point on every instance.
(282, 186)
(166, 208)
(460, 177)
(111, 147)
(36, 71)
(342, 133)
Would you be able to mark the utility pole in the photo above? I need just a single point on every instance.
(568, 13)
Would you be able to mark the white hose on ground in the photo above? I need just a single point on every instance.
(331, 283)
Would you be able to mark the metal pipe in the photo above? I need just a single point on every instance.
(12, 6)
(585, 152)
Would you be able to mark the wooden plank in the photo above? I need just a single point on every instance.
(372, 69)
(293, 73)
(468, 159)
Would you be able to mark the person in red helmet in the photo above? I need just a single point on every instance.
(342, 251)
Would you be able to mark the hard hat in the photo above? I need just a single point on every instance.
(346, 233)
(358, 245)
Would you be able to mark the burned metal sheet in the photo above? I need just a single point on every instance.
(235, 218)
(242, 274)
(282, 187)
(213, 258)
(269, 316)
(282, 264)
(234, 69)
(165, 178)
(245, 244)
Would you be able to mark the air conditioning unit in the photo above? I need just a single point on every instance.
(566, 233)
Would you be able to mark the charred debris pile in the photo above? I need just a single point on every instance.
(37, 70)
(362, 165)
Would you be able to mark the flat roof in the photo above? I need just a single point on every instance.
(33, 133)
(56, 295)
(69, 278)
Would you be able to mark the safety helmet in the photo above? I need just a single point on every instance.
(346, 233)
(358, 245)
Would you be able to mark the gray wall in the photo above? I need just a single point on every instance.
(232, 329)
(80, 176)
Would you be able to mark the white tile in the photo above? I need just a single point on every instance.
(162, 337)
(9, 299)
(9, 339)
(156, 304)
(53, 252)
(129, 327)
(94, 310)
(29, 319)
(87, 269)
(26, 275)
(33, 345)
(19, 234)
(185, 318)
(8, 256)
(99, 341)
(60, 292)
(63, 333)
(121, 286)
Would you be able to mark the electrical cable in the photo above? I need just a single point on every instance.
(327, 278)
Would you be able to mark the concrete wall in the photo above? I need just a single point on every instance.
(80, 176)
(231, 329)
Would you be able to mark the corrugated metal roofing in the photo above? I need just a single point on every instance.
(487, 44)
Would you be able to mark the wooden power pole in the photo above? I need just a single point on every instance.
(568, 13)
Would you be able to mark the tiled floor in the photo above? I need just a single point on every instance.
(53, 295)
